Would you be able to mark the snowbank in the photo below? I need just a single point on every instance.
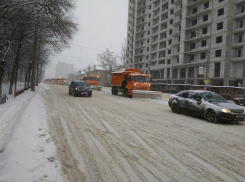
(27, 152)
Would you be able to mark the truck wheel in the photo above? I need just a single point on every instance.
(112, 90)
(126, 94)
(116, 91)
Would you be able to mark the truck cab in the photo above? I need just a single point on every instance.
(91, 80)
(138, 82)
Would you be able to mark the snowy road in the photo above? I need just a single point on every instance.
(113, 138)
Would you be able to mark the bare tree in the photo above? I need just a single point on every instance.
(94, 67)
(89, 68)
(79, 71)
(123, 54)
(107, 60)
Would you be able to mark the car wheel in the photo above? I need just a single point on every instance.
(175, 108)
(69, 92)
(74, 93)
(126, 94)
(211, 116)
(235, 122)
(90, 95)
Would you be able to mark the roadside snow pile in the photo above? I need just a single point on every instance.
(27, 152)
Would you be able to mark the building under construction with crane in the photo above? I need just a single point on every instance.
(188, 41)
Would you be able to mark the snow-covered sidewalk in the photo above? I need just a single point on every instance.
(27, 152)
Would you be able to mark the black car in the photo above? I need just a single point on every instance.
(207, 104)
(79, 88)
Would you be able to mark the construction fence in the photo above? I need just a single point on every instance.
(228, 92)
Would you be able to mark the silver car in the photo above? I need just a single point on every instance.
(207, 104)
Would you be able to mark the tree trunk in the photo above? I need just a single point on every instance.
(1, 76)
(40, 75)
(38, 67)
(14, 69)
(25, 85)
(15, 79)
(29, 75)
(2, 69)
(34, 63)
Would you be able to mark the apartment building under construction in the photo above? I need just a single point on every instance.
(188, 41)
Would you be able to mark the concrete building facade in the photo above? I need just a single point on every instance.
(63, 69)
(188, 41)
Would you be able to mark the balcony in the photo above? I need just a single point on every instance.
(155, 31)
(198, 37)
(165, 8)
(238, 2)
(141, 23)
(157, 5)
(238, 44)
(177, 21)
(156, 14)
(162, 46)
(176, 33)
(239, 15)
(140, 38)
(200, 13)
(239, 30)
(142, 5)
(199, 24)
(238, 59)
(154, 50)
(141, 14)
(177, 12)
(176, 2)
(196, 3)
(154, 40)
(140, 30)
(164, 19)
(155, 23)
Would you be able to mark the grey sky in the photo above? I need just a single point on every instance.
(102, 24)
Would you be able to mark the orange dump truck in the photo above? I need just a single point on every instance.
(61, 80)
(129, 80)
(91, 80)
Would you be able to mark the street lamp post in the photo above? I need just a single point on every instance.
(206, 80)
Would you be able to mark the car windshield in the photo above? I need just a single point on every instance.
(140, 78)
(81, 84)
(213, 97)
(91, 78)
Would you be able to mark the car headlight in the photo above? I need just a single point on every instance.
(225, 110)
(149, 85)
(135, 84)
(76, 88)
(89, 90)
